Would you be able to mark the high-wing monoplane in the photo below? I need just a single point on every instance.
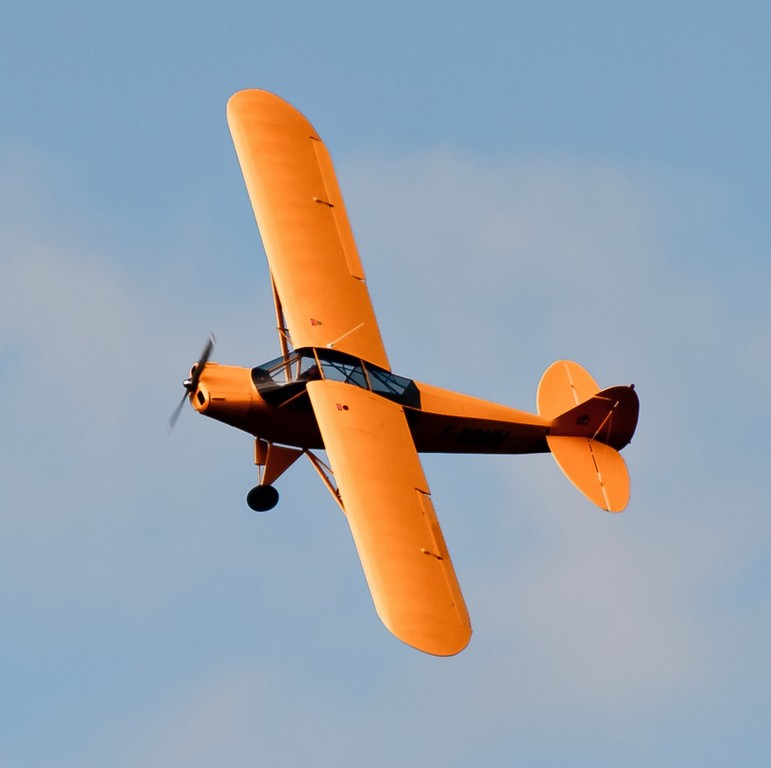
(332, 389)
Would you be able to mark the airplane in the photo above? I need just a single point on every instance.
(332, 389)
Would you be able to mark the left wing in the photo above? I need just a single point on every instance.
(312, 255)
(394, 526)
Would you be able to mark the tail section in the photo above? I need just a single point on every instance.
(589, 428)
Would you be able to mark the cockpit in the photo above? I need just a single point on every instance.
(284, 378)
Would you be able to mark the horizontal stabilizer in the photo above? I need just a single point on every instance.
(563, 386)
(596, 469)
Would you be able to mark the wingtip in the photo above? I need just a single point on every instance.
(443, 646)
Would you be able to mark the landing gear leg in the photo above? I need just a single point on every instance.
(272, 461)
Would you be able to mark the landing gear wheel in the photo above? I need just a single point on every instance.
(262, 498)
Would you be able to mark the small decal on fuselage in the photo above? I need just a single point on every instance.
(469, 436)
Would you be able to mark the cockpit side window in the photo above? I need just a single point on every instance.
(386, 383)
(394, 387)
(282, 378)
(348, 371)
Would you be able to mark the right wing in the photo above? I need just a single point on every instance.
(394, 526)
(312, 255)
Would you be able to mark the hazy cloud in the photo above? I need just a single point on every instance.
(254, 636)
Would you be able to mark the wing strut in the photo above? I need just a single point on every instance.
(326, 475)
(283, 332)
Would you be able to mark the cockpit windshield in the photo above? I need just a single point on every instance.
(299, 366)
(283, 378)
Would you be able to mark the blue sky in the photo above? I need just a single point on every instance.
(526, 182)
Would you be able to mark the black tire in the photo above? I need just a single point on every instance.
(262, 498)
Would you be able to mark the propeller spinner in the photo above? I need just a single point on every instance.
(191, 383)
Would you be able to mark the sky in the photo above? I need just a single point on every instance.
(526, 182)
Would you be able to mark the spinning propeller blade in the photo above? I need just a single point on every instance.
(191, 384)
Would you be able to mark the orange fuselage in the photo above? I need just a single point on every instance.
(443, 421)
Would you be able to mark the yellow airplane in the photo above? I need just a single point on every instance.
(332, 388)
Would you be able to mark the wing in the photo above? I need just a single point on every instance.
(299, 209)
(392, 519)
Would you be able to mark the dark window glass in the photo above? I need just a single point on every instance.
(393, 387)
(348, 371)
(282, 379)
(299, 366)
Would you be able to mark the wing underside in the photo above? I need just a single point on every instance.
(311, 252)
(391, 516)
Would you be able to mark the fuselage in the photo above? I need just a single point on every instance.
(270, 401)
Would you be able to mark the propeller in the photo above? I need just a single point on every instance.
(191, 384)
